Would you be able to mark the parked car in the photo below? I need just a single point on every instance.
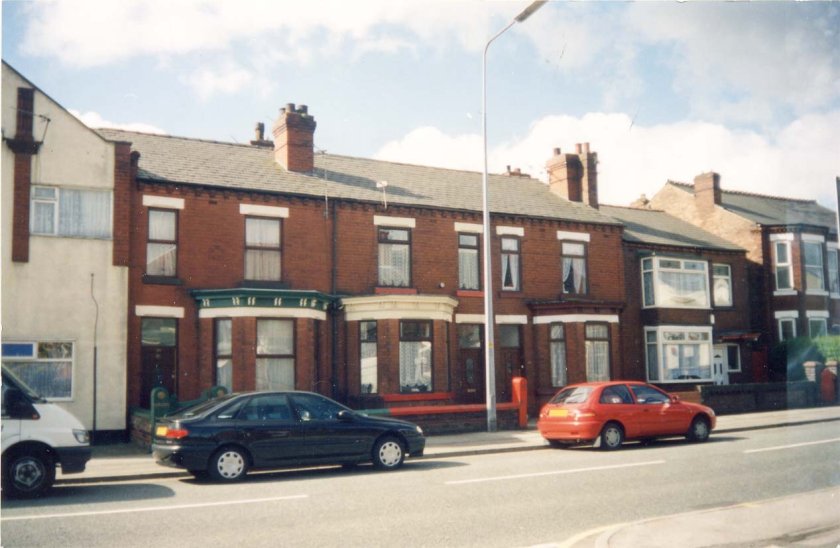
(225, 437)
(37, 436)
(608, 413)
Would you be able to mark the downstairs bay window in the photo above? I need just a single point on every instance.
(415, 356)
(275, 355)
(679, 354)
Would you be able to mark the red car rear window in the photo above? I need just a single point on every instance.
(574, 394)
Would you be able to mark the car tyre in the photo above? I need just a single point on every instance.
(228, 464)
(199, 474)
(611, 437)
(388, 453)
(28, 474)
(699, 430)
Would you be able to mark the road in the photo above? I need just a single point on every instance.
(512, 499)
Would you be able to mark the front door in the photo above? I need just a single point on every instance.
(471, 363)
(510, 358)
(158, 356)
(720, 365)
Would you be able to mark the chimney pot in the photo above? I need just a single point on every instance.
(578, 148)
(259, 131)
(557, 151)
(586, 148)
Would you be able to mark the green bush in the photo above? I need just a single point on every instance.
(829, 347)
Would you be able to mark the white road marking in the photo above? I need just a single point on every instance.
(792, 446)
(151, 508)
(557, 472)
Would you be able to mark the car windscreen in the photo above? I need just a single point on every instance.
(10, 379)
(200, 408)
(575, 394)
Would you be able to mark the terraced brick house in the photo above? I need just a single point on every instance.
(686, 320)
(269, 265)
(791, 248)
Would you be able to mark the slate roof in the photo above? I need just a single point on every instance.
(654, 227)
(773, 210)
(188, 161)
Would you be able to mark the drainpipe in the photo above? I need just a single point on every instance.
(95, 329)
(334, 309)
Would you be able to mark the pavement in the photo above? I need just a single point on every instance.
(762, 523)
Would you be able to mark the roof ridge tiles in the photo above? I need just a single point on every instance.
(745, 193)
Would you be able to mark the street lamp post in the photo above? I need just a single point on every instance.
(489, 346)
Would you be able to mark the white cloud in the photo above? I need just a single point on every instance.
(778, 52)
(94, 120)
(801, 162)
(227, 79)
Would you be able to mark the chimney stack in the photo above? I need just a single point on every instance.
(574, 176)
(707, 193)
(294, 133)
(259, 137)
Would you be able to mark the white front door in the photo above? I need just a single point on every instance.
(720, 365)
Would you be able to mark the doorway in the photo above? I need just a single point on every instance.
(471, 362)
(510, 356)
(158, 356)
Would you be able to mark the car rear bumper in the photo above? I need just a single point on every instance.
(177, 456)
(73, 459)
(568, 430)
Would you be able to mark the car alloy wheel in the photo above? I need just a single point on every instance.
(611, 437)
(228, 465)
(388, 454)
(699, 430)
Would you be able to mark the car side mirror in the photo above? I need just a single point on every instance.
(675, 398)
(345, 415)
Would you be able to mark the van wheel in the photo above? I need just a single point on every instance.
(28, 474)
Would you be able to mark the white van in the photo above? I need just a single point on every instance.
(37, 437)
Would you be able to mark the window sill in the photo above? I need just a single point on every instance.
(817, 292)
(785, 293)
(469, 293)
(161, 280)
(395, 291)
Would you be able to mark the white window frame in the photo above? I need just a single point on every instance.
(368, 364)
(54, 203)
(593, 348)
(657, 266)
(390, 274)
(786, 317)
(833, 271)
(559, 363)
(469, 254)
(516, 269)
(823, 327)
(719, 277)
(817, 270)
(783, 241)
(696, 336)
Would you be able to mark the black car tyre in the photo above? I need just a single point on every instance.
(611, 437)
(199, 474)
(228, 464)
(388, 453)
(699, 430)
(27, 474)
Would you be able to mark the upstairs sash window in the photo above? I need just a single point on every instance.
(162, 245)
(674, 283)
(263, 252)
(394, 257)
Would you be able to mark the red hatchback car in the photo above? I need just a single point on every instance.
(607, 413)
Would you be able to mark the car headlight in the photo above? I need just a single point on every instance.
(81, 436)
(419, 430)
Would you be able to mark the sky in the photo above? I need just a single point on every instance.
(661, 90)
